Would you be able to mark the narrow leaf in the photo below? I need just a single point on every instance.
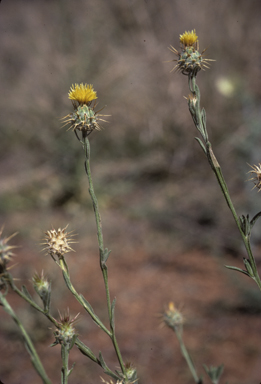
(87, 304)
(237, 269)
(106, 255)
(113, 314)
(255, 218)
(70, 371)
(26, 293)
(86, 351)
(201, 144)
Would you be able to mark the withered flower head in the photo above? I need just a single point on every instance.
(190, 60)
(5, 250)
(58, 242)
(111, 382)
(256, 173)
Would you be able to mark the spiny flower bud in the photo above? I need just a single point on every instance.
(43, 288)
(84, 118)
(172, 317)
(190, 61)
(65, 333)
(58, 242)
(131, 372)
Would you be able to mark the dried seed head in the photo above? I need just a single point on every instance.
(190, 60)
(256, 173)
(172, 317)
(57, 242)
(111, 382)
(5, 250)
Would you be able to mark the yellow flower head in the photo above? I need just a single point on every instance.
(82, 93)
(190, 61)
(188, 38)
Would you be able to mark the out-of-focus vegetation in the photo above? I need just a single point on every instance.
(147, 148)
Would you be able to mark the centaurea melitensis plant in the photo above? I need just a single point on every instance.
(190, 61)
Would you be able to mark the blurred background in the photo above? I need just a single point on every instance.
(164, 217)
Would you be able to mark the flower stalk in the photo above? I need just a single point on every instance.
(174, 319)
(190, 63)
(104, 253)
(28, 342)
(199, 119)
(85, 120)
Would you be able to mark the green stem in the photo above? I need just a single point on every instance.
(87, 151)
(34, 305)
(217, 170)
(81, 346)
(197, 118)
(65, 362)
(80, 298)
(187, 357)
(28, 342)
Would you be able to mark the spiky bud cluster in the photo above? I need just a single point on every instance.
(57, 242)
(65, 333)
(84, 119)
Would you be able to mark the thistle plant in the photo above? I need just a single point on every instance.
(57, 244)
(83, 120)
(190, 61)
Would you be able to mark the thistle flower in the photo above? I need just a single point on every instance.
(172, 317)
(256, 171)
(5, 250)
(65, 333)
(58, 242)
(84, 118)
(83, 93)
(190, 60)
(188, 38)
